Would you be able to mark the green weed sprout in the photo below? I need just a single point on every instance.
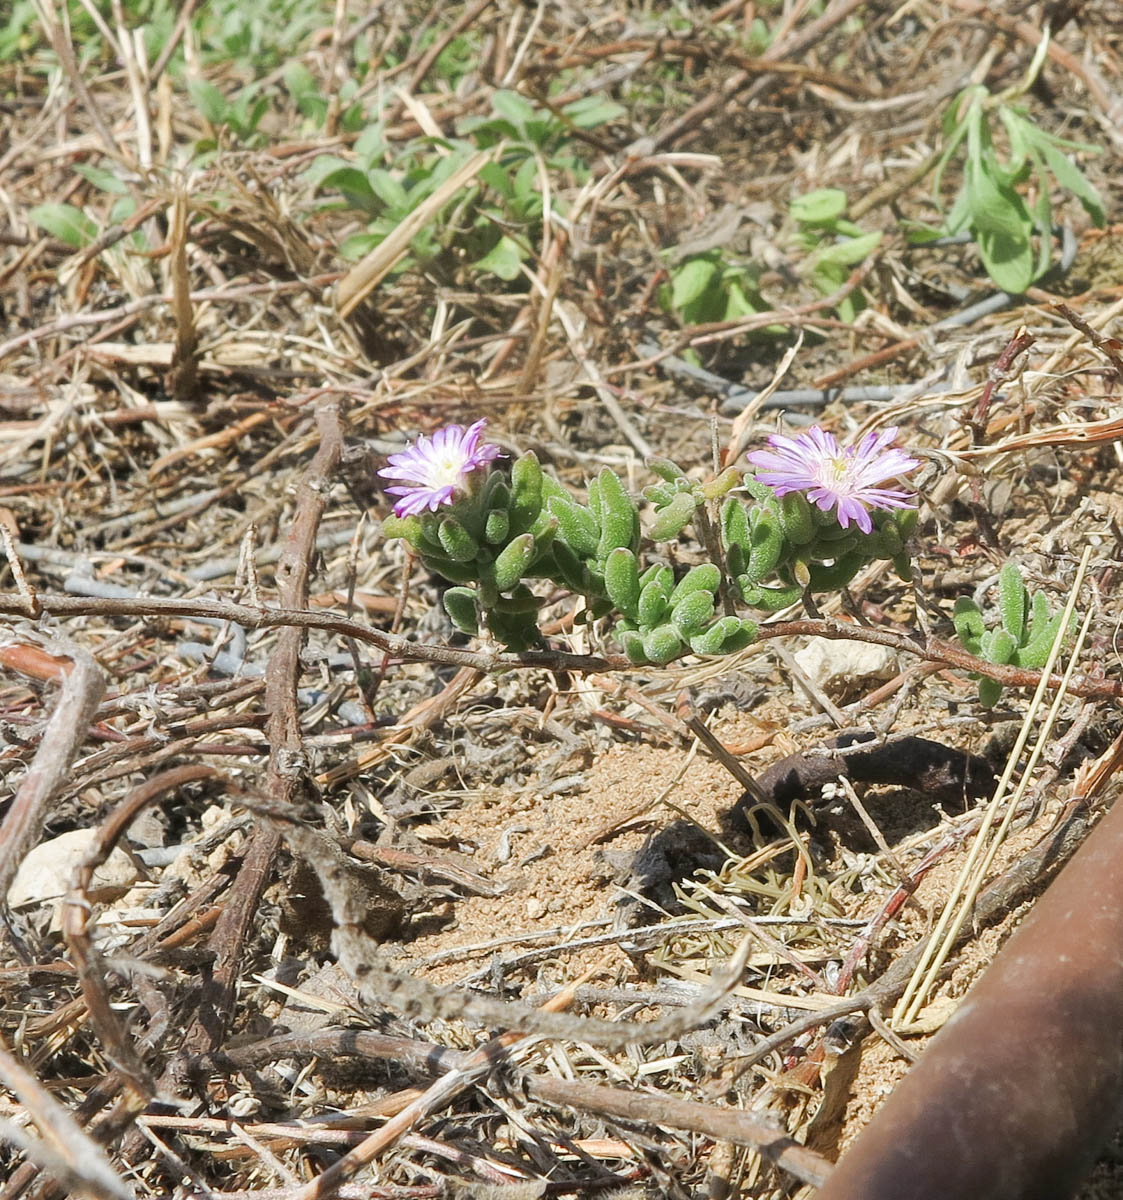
(991, 203)
(1020, 634)
(835, 244)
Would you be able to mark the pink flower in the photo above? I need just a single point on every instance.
(845, 480)
(435, 468)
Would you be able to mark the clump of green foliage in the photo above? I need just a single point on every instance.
(994, 204)
(1020, 633)
(493, 224)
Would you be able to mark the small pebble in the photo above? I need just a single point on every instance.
(535, 908)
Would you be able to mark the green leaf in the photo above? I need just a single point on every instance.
(830, 578)
(766, 544)
(821, 207)
(526, 492)
(661, 644)
(725, 636)
(571, 571)
(455, 572)
(693, 612)
(796, 519)
(1072, 179)
(513, 561)
(456, 541)
(521, 600)
(497, 526)
(107, 181)
(460, 604)
(705, 577)
(619, 519)
(690, 280)
(621, 580)
(591, 111)
(390, 191)
(1009, 261)
(358, 245)
(998, 646)
(670, 521)
(354, 186)
(849, 252)
(667, 470)
(769, 599)
(1013, 601)
(990, 691)
(576, 525)
(735, 525)
(653, 605)
(210, 101)
(968, 623)
(633, 646)
(662, 575)
(514, 108)
(306, 91)
(65, 222)
(408, 528)
(504, 259)
(517, 632)
(996, 207)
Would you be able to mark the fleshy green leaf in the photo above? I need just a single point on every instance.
(526, 492)
(497, 526)
(969, 626)
(661, 644)
(796, 519)
(513, 560)
(669, 522)
(621, 580)
(653, 605)
(460, 604)
(618, 515)
(1013, 601)
(693, 613)
(703, 578)
(456, 541)
(576, 525)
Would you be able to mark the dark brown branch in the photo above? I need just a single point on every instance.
(933, 650)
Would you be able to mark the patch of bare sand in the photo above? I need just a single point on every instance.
(557, 873)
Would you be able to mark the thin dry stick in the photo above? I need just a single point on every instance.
(78, 924)
(83, 686)
(284, 777)
(933, 650)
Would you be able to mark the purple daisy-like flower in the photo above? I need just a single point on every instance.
(435, 468)
(843, 479)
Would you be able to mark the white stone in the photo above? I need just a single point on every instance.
(535, 908)
(841, 666)
(48, 871)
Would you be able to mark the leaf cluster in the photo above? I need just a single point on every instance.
(834, 243)
(777, 547)
(1020, 633)
(994, 203)
(493, 224)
